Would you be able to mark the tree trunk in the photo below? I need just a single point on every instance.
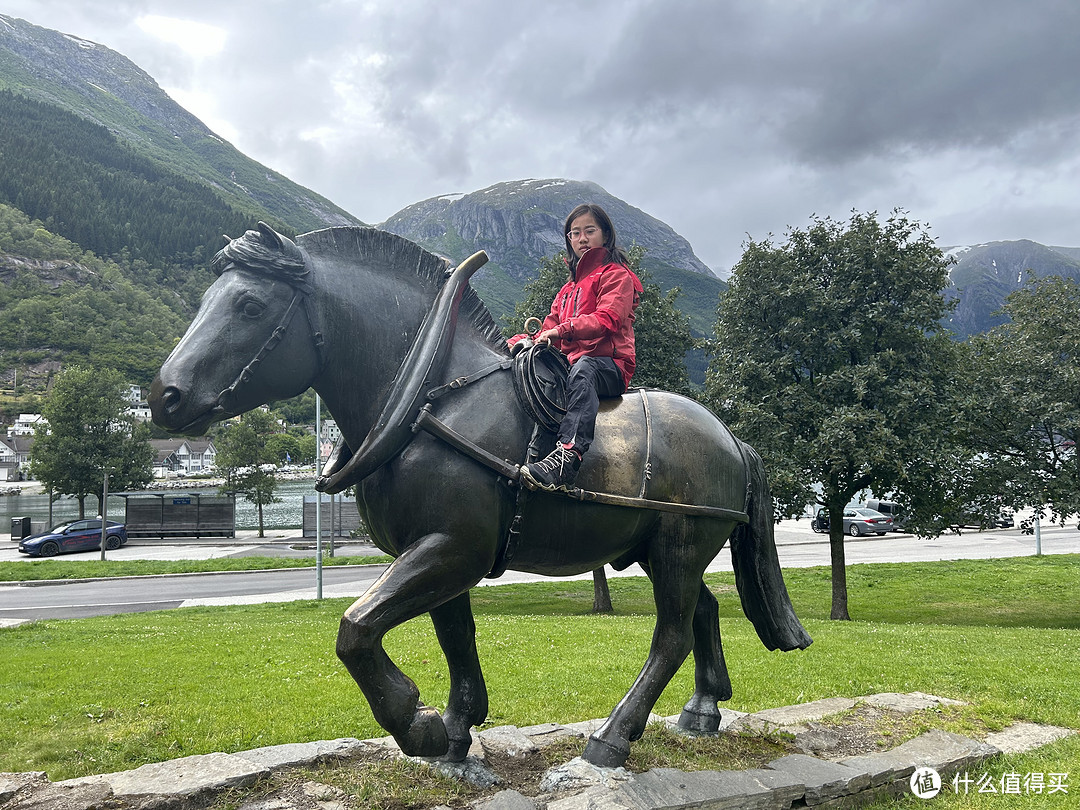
(839, 566)
(261, 533)
(601, 593)
(82, 507)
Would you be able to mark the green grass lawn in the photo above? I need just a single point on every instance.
(104, 694)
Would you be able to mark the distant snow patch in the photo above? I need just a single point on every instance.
(958, 251)
(555, 183)
(451, 197)
(98, 87)
(6, 22)
(82, 43)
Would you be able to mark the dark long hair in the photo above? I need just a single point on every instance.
(615, 253)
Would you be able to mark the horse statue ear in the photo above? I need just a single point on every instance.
(271, 238)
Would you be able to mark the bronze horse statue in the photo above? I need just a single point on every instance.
(416, 374)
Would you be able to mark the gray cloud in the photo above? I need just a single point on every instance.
(722, 119)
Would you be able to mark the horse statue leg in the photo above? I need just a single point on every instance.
(711, 681)
(468, 702)
(678, 554)
(416, 582)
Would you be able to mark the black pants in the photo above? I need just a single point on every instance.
(590, 378)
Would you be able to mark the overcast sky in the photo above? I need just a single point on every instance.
(722, 118)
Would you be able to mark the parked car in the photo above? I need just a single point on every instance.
(891, 510)
(76, 535)
(857, 521)
(866, 521)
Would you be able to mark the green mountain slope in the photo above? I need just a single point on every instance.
(102, 86)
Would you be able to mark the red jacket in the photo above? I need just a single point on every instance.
(595, 311)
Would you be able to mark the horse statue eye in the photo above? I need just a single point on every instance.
(253, 309)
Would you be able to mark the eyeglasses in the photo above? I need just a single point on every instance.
(589, 232)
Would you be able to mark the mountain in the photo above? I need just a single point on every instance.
(104, 87)
(520, 222)
(985, 274)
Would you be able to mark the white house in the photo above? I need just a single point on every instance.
(25, 424)
(14, 456)
(183, 456)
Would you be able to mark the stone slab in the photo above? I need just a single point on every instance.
(597, 798)
(507, 800)
(546, 733)
(944, 751)
(586, 727)
(12, 783)
(824, 781)
(56, 796)
(907, 702)
(506, 740)
(1021, 737)
(581, 774)
(775, 719)
(884, 767)
(185, 777)
(671, 789)
(295, 754)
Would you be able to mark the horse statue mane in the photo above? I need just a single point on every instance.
(271, 253)
(396, 254)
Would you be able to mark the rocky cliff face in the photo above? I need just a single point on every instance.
(984, 275)
(520, 222)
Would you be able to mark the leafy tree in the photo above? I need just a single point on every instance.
(309, 446)
(1023, 407)
(283, 448)
(830, 360)
(88, 433)
(242, 452)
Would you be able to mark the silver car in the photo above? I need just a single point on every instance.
(859, 520)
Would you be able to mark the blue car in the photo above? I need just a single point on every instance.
(76, 535)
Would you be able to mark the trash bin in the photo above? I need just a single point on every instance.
(20, 528)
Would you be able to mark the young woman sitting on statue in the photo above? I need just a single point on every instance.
(592, 322)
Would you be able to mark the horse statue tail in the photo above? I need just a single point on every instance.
(758, 577)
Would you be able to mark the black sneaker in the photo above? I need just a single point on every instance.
(556, 471)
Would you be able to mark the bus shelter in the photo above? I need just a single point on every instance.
(164, 514)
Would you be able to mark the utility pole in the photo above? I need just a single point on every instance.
(318, 499)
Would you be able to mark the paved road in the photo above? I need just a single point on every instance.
(797, 545)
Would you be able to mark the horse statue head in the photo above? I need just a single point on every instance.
(218, 369)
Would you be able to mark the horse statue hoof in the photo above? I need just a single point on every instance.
(458, 750)
(426, 736)
(699, 723)
(603, 754)
(700, 715)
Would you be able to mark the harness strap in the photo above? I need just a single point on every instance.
(271, 342)
(461, 382)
